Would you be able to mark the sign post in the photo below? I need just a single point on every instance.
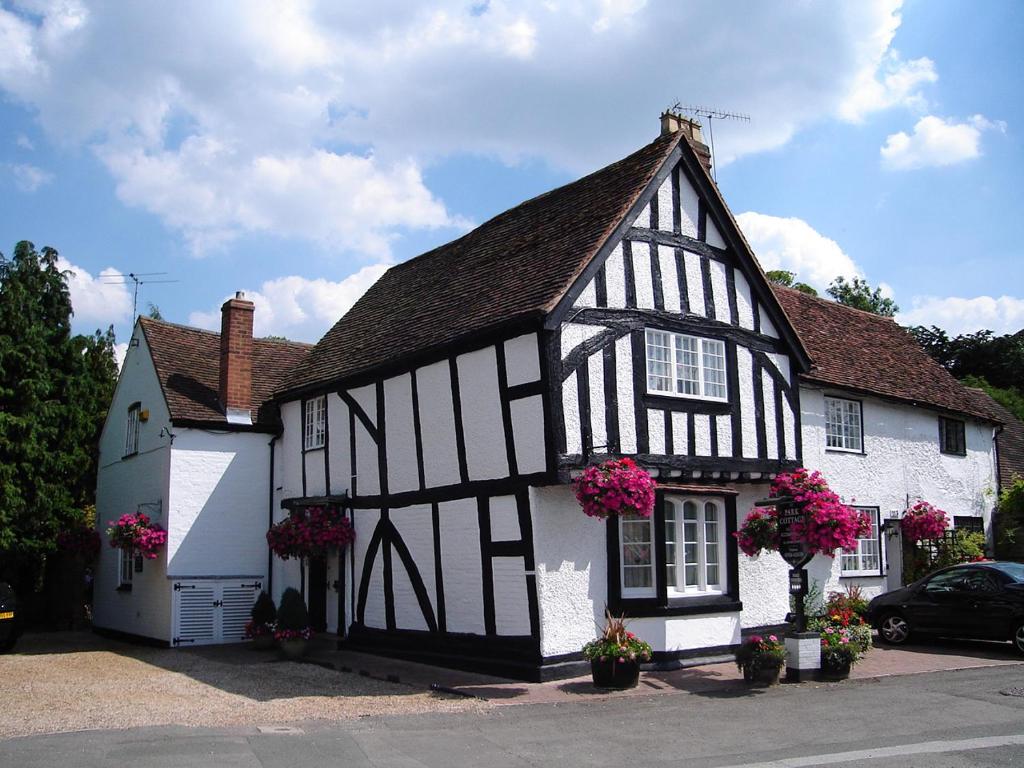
(803, 648)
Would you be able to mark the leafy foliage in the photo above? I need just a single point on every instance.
(292, 617)
(617, 642)
(920, 560)
(788, 279)
(1010, 543)
(54, 392)
(759, 652)
(859, 295)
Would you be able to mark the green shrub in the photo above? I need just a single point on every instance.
(292, 614)
(264, 612)
(1010, 541)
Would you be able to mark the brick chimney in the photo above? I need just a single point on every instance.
(236, 359)
(672, 122)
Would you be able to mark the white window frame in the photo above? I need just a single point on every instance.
(632, 592)
(705, 346)
(131, 429)
(845, 425)
(125, 567)
(314, 432)
(679, 562)
(859, 556)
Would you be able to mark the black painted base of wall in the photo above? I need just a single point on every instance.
(128, 637)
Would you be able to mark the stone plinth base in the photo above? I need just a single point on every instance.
(803, 656)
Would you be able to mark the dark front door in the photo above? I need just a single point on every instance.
(318, 594)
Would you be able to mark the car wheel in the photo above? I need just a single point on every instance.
(894, 629)
(1018, 638)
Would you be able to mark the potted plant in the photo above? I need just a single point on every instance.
(292, 631)
(136, 533)
(760, 659)
(616, 655)
(262, 623)
(615, 487)
(310, 532)
(839, 652)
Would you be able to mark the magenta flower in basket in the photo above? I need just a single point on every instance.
(134, 531)
(923, 521)
(826, 525)
(310, 532)
(615, 487)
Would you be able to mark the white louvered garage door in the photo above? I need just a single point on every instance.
(211, 611)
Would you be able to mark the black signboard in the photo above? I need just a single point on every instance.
(792, 550)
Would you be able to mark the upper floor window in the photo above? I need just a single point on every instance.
(866, 560)
(952, 437)
(686, 366)
(315, 430)
(843, 426)
(131, 429)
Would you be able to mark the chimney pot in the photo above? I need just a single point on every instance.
(236, 359)
(673, 122)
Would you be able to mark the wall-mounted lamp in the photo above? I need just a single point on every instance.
(144, 414)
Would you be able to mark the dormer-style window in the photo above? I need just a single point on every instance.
(952, 436)
(685, 366)
(131, 430)
(315, 430)
(843, 425)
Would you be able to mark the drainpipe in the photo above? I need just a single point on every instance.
(270, 518)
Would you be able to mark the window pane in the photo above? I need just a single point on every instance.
(659, 362)
(637, 560)
(687, 366)
(691, 545)
(670, 545)
(714, 368)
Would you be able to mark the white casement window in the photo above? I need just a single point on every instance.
(843, 426)
(694, 550)
(315, 423)
(131, 430)
(694, 546)
(126, 566)
(867, 560)
(685, 366)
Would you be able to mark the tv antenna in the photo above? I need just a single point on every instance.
(137, 279)
(710, 115)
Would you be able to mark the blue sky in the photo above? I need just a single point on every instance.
(295, 150)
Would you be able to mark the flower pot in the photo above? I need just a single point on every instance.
(761, 677)
(611, 673)
(835, 669)
(293, 648)
(263, 642)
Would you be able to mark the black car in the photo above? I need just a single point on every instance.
(981, 601)
(10, 621)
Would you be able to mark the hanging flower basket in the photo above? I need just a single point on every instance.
(310, 532)
(923, 521)
(615, 487)
(135, 532)
(827, 524)
(79, 541)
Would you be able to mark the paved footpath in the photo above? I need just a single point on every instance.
(939, 720)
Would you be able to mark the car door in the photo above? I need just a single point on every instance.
(934, 607)
(984, 607)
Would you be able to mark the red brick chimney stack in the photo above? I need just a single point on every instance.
(236, 358)
(671, 122)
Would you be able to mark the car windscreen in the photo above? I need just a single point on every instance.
(1014, 570)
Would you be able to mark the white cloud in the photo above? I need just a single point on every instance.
(29, 178)
(24, 142)
(347, 107)
(956, 315)
(794, 245)
(298, 308)
(97, 302)
(120, 351)
(937, 142)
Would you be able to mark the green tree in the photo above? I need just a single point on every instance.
(788, 279)
(859, 295)
(154, 312)
(54, 391)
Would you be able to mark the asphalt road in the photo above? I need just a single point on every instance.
(939, 720)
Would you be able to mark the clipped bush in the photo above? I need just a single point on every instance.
(264, 612)
(292, 617)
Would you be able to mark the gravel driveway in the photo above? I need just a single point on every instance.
(71, 681)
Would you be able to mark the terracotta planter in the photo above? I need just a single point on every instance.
(612, 674)
(835, 669)
(762, 677)
(292, 649)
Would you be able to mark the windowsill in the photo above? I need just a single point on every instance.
(312, 450)
(679, 606)
(129, 455)
(952, 453)
(124, 588)
(848, 451)
(680, 396)
(861, 575)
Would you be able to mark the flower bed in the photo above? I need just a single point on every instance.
(615, 487)
(310, 532)
(134, 531)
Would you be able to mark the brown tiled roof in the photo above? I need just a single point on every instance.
(1009, 441)
(187, 363)
(513, 267)
(863, 352)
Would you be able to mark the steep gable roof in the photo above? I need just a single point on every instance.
(187, 362)
(864, 352)
(513, 267)
(1009, 441)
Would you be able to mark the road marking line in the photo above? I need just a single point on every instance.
(924, 747)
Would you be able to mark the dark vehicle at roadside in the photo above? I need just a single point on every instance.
(10, 620)
(978, 601)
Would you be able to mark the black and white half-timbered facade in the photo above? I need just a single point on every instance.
(622, 315)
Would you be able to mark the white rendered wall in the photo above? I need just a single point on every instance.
(123, 484)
